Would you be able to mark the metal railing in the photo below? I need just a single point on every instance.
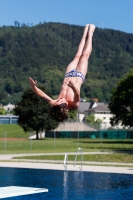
(80, 167)
(66, 160)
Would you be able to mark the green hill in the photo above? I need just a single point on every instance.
(43, 52)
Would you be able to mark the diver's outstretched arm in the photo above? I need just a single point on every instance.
(40, 92)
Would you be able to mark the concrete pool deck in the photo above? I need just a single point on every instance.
(6, 160)
(31, 165)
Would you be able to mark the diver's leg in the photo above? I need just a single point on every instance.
(83, 62)
(74, 63)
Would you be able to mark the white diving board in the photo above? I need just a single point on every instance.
(12, 191)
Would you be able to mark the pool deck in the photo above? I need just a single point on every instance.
(6, 160)
(104, 169)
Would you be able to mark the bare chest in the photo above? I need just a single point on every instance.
(67, 93)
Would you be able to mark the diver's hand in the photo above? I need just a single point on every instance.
(32, 82)
(71, 84)
(75, 89)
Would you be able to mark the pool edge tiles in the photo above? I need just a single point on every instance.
(12, 191)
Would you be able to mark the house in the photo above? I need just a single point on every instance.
(9, 107)
(72, 130)
(81, 110)
(84, 106)
(74, 126)
(100, 110)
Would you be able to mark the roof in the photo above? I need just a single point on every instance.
(83, 106)
(74, 126)
(100, 108)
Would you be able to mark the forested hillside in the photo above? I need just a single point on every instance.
(43, 52)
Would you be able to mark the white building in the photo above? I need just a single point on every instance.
(9, 107)
(100, 111)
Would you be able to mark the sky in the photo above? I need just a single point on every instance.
(109, 14)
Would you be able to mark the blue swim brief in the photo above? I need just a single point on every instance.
(75, 73)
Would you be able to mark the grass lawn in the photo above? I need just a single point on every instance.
(12, 131)
(62, 145)
(122, 158)
(50, 145)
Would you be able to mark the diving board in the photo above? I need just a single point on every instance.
(12, 191)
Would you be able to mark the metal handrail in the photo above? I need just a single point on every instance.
(66, 160)
(80, 167)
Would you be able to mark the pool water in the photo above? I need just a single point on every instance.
(65, 185)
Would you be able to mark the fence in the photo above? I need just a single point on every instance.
(8, 119)
(106, 134)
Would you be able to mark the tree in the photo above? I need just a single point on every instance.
(121, 102)
(72, 114)
(2, 111)
(91, 120)
(22, 50)
(33, 113)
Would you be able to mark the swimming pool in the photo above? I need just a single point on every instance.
(65, 185)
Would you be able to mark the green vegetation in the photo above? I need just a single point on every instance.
(91, 120)
(2, 111)
(33, 113)
(43, 52)
(121, 102)
(122, 158)
(12, 131)
(49, 145)
(121, 148)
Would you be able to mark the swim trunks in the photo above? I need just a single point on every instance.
(75, 73)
